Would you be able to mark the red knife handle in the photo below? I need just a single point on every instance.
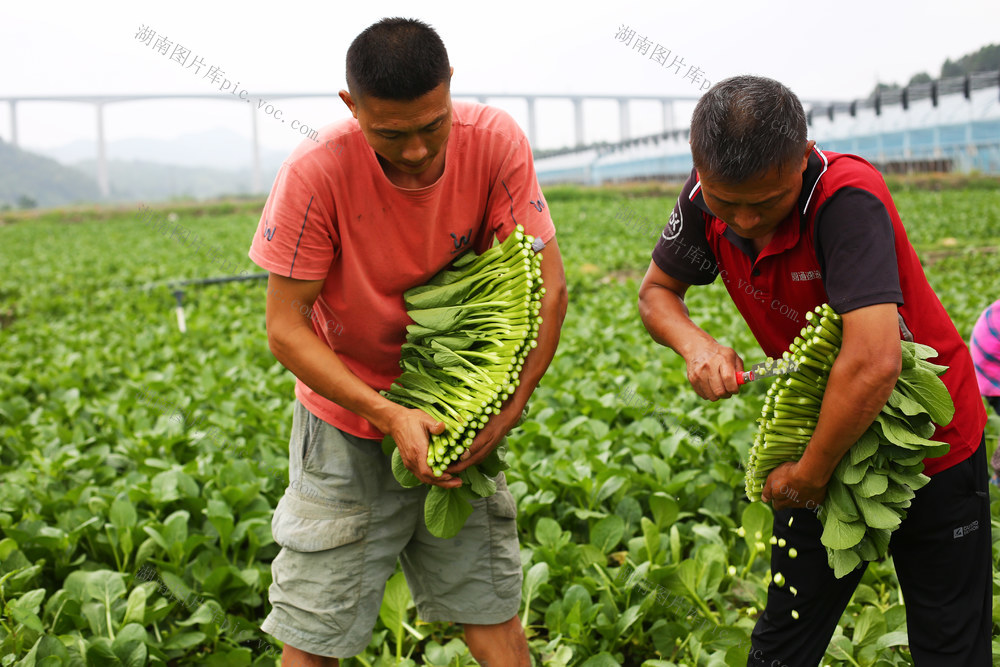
(742, 377)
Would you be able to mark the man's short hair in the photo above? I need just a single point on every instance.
(397, 59)
(745, 125)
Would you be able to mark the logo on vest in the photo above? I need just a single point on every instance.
(461, 241)
(674, 225)
(800, 276)
(962, 531)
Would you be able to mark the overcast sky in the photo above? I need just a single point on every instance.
(822, 51)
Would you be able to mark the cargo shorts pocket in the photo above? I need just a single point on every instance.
(318, 576)
(505, 558)
(307, 524)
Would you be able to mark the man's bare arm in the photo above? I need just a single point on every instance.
(294, 343)
(711, 367)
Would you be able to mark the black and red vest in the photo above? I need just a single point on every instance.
(775, 291)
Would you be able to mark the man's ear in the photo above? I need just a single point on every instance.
(805, 158)
(349, 101)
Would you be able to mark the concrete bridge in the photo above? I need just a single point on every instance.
(101, 101)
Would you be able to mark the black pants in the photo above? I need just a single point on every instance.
(943, 559)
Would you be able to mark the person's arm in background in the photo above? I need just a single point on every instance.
(711, 366)
(294, 343)
(861, 379)
(553, 312)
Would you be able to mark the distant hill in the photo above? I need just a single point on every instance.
(218, 148)
(202, 165)
(986, 59)
(149, 181)
(27, 179)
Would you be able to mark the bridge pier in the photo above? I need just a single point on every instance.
(13, 122)
(668, 115)
(102, 158)
(532, 121)
(255, 185)
(623, 119)
(578, 120)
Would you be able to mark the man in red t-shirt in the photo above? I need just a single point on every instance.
(376, 205)
(789, 227)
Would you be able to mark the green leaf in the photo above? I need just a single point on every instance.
(446, 510)
(869, 626)
(864, 448)
(843, 561)
(664, 508)
(205, 613)
(402, 474)
(838, 500)
(607, 533)
(99, 652)
(548, 532)
(31, 600)
(901, 434)
(495, 463)
(913, 481)
(874, 483)
(395, 603)
(388, 445)
(536, 576)
(866, 549)
(130, 645)
(757, 518)
(651, 537)
(895, 493)
(905, 404)
(122, 514)
(7, 547)
(601, 660)
(480, 484)
(627, 619)
(220, 515)
(926, 388)
(841, 647)
(101, 585)
(839, 534)
(875, 514)
(852, 474)
(23, 615)
(880, 537)
(185, 640)
(135, 610)
(533, 580)
(895, 638)
(919, 350)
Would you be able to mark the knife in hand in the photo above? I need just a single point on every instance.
(766, 369)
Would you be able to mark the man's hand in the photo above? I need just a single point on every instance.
(711, 370)
(789, 486)
(411, 430)
(711, 367)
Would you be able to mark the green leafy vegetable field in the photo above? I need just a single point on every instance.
(139, 466)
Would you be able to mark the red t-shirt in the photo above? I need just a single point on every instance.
(333, 215)
(843, 244)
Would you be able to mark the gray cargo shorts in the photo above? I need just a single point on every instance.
(343, 523)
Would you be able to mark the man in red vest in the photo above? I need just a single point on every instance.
(789, 227)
